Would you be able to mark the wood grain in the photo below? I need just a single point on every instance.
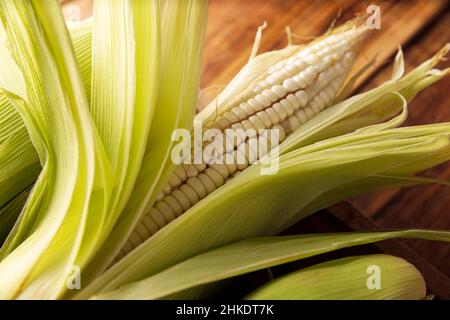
(232, 25)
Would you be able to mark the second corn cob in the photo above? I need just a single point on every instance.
(372, 277)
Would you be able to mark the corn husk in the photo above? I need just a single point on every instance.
(250, 255)
(99, 108)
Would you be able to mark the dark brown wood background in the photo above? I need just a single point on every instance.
(421, 27)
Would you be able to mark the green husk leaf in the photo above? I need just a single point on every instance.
(251, 255)
(183, 26)
(9, 214)
(19, 162)
(123, 116)
(399, 65)
(56, 115)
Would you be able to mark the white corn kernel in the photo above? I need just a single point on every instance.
(291, 85)
(280, 91)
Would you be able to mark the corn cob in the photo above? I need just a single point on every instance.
(371, 277)
(286, 96)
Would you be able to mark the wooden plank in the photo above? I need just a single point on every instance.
(232, 25)
(399, 25)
